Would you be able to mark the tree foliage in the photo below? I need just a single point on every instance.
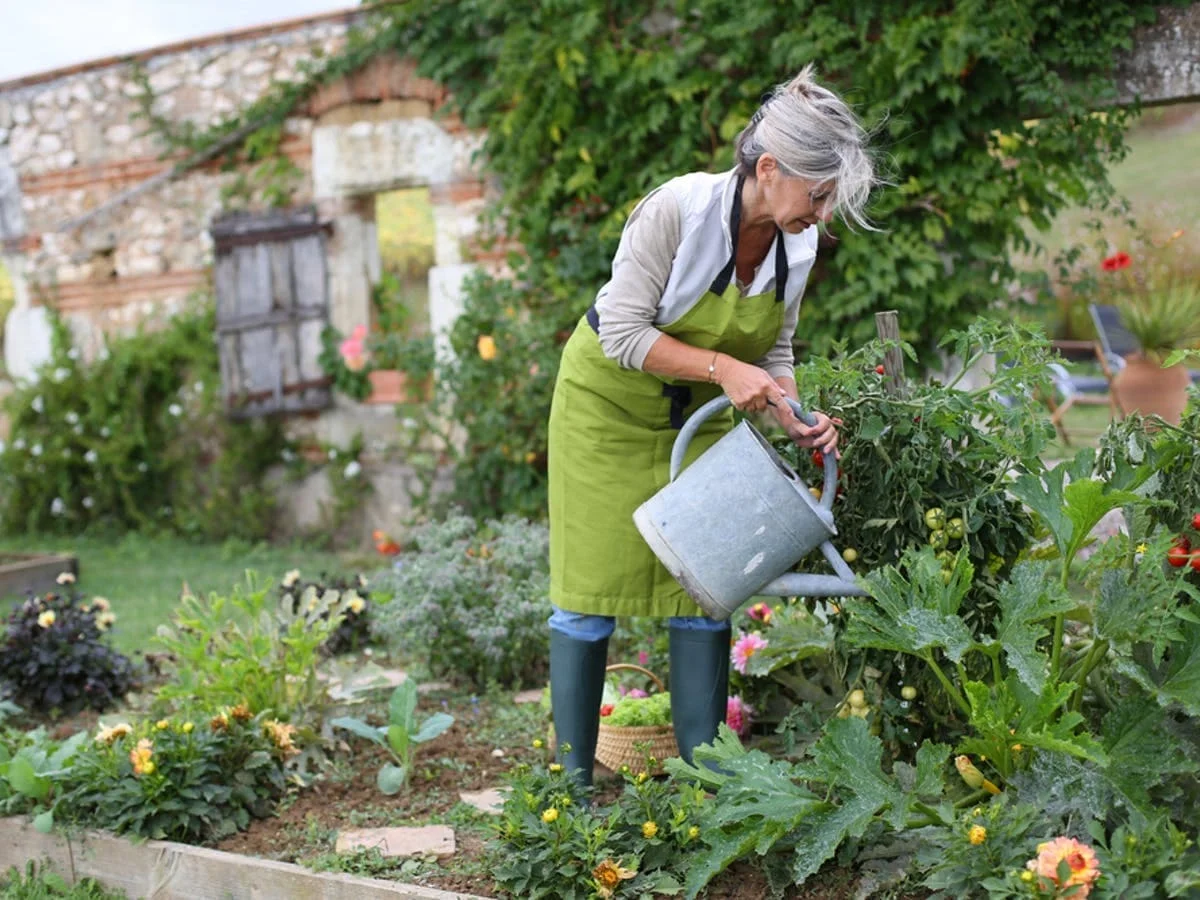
(983, 115)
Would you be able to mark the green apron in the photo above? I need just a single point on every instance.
(610, 439)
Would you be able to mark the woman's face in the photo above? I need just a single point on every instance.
(794, 203)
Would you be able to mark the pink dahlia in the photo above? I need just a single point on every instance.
(744, 648)
(737, 715)
(1081, 862)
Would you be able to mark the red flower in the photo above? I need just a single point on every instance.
(1116, 261)
(606, 710)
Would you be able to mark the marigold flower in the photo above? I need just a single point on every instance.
(693, 832)
(649, 829)
(187, 727)
(486, 347)
(162, 724)
(105, 620)
(642, 777)
(609, 875)
(65, 578)
(140, 755)
(241, 712)
(112, 732)
(977, 835)
(550, 815)
(281, 734)
(1080, 859)
(556, 767)
(744, 648)
(47, 618)
(219, 722)
(1116, 262)
(101, 604)
(538, 743)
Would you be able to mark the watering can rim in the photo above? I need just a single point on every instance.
(721, 402)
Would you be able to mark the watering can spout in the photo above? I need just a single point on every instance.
(799, 584)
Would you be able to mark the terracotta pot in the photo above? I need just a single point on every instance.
(392, 386)
(1145, 387)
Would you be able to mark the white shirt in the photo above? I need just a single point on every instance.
(674, 244)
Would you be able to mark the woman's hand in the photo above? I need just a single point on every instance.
(823, 435)
(748, 387)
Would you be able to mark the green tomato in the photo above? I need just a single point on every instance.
(946, 558)
(938, 540)
(935, 519)
(955, 529)
(908, 692)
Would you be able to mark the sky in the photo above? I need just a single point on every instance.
(38, 35)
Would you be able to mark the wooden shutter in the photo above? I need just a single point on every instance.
(272, 286)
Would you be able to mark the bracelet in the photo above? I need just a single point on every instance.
(712, 367)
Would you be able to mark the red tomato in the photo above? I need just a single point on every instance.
(818, 458)
(879, 370)
(1178, 557)
(1196, 521)
(1196, 561)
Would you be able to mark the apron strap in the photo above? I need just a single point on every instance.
(721, 282)
(680, 396)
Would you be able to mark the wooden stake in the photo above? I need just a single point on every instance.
(887, 325)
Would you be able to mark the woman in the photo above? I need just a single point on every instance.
(704, 298)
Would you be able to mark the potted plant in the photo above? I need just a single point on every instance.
(1162, 321)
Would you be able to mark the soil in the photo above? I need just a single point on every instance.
(307, 822)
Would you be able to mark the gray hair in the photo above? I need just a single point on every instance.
(814, 135)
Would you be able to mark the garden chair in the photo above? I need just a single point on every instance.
(1068, 390)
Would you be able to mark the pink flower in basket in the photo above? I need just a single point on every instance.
(352, 350)
(635, 693)
(745, 647)
(737, 715)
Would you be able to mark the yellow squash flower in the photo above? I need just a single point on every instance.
(972, 776)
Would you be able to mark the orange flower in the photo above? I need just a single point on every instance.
(1080, 859)
(281, 734)
(241, 712)
(609, 876)
(140, 757)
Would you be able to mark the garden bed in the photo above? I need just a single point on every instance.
(37, 573)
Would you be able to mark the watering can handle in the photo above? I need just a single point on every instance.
(716, 405)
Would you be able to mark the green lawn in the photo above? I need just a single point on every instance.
(143, 576)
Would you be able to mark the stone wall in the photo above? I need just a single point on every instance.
(70, 140)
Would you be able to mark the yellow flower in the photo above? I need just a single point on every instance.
(356, 604)
(550, 815)
(972, 776)
(641, 777)
(281, 734)
(538, 743)
(112, 732)
(105, 620)
(609, 876)
(649, 830)
(162, 724)
(101, 604)
(47, 618)
(1141, 548)
(556, 767)
(693, 832)
(530, 458)
(140, 757)
(1027, 876)
(486, 345)
(65, 578)
(977, 835)
(187, 727)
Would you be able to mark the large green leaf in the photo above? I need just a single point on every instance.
(391, 778)
(398, 739)
(432, 727)
(362, 729)
(403, 705)
(1026, 600)
(25, 779)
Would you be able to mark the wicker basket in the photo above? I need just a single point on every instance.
(618, 746)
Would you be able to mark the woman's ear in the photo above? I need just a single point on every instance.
(766, 168)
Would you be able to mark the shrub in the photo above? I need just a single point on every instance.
(136, 439)
(471, 600)
(176, 780)
(254, 648)
(56, 658)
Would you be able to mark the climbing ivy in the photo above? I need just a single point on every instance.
(984, 119)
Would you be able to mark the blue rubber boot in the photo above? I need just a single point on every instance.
(576, 686)
(699, 686)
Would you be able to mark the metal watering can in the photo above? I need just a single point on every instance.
(739, 517)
